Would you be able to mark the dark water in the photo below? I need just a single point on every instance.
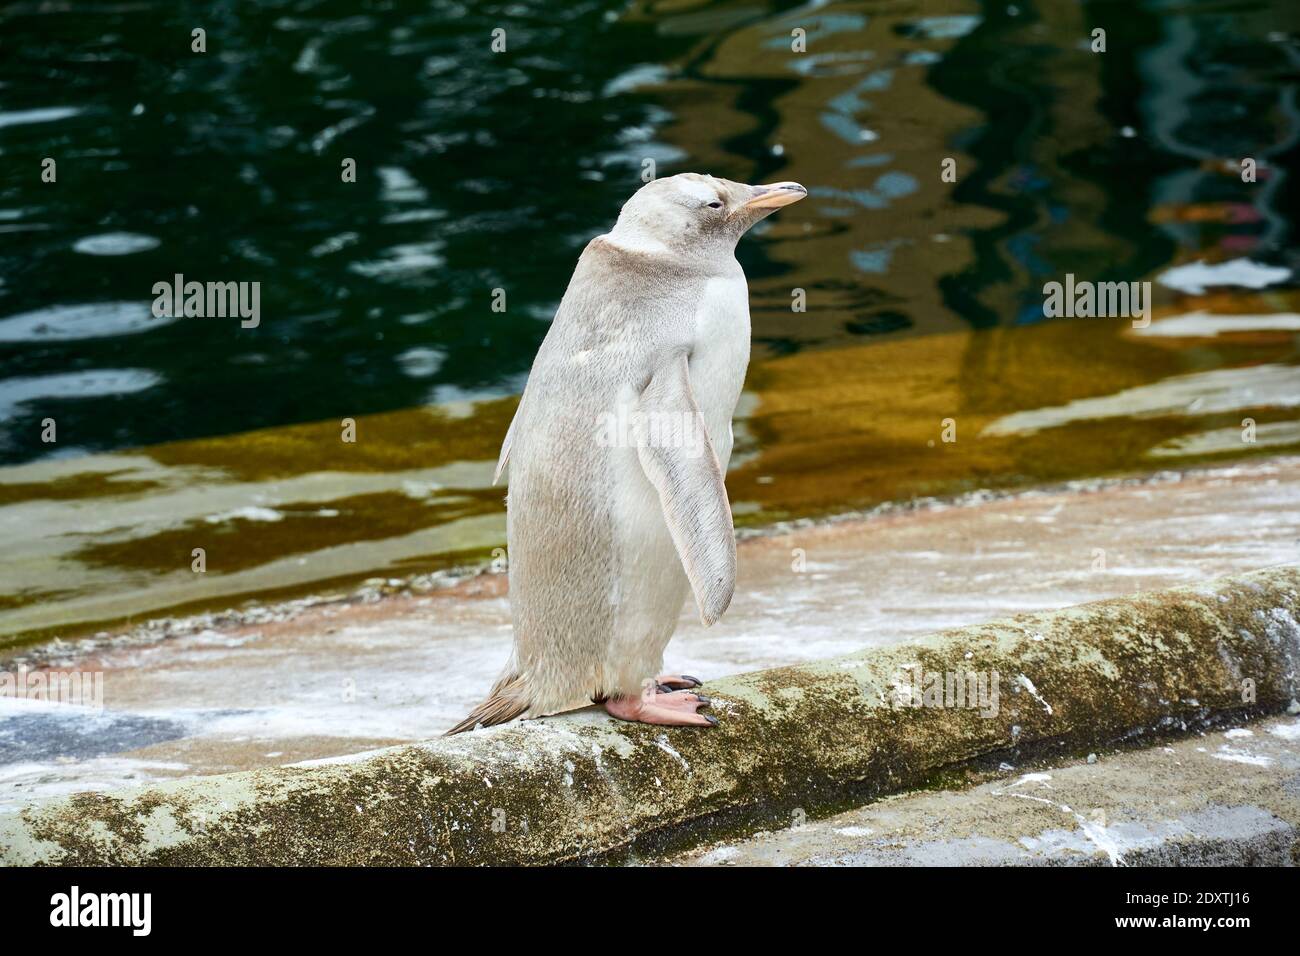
(481, 170)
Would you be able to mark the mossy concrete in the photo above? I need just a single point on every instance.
(810, 738)
(1221, 798)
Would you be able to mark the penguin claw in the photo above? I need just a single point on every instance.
(678, 708)
(681, 698)
(677, 682)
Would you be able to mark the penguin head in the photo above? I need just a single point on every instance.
(692, 212)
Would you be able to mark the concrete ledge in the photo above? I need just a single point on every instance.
(1215, 799)
(813, 737)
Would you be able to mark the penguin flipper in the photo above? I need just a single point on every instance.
(688, 478)
(505, 448)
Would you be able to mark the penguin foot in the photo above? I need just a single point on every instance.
(671, 682)
(675, 709)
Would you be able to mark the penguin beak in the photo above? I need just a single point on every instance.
(774, 196)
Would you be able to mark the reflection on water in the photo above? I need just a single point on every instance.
(480, 171)
(475, 171)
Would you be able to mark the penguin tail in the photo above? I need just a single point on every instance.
(507, 701)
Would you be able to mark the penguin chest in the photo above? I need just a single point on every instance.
(720, 356)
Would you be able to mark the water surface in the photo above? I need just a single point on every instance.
(480, 171)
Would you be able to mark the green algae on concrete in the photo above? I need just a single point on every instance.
(1219, 798)
(582, 788)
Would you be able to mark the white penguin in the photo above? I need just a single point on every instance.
(616, 505)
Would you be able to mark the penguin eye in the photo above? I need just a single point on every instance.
(715, 205)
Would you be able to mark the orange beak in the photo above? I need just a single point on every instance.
(774, 196)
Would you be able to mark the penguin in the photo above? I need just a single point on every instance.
(616, 509)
